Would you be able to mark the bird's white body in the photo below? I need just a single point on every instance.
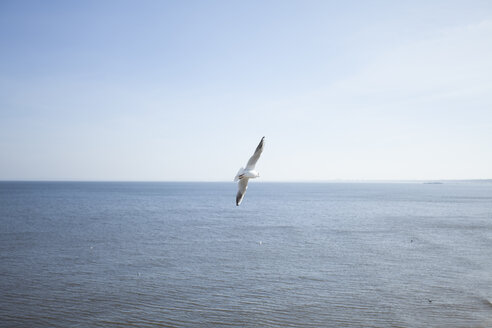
(244, 174)
(251, 174)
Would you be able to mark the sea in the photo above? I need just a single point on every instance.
(165, 254)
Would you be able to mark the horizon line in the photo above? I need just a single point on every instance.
(261, 181)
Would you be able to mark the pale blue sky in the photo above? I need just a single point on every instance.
(184, 90)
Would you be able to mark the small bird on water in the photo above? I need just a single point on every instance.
(244, 174)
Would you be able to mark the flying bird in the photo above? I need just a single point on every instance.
(244, 174)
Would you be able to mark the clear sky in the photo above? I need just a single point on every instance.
(184, 90)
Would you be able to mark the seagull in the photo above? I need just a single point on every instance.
(244, 174)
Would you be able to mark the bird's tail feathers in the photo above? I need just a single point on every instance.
(236, 178)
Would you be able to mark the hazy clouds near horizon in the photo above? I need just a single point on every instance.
(168, 90)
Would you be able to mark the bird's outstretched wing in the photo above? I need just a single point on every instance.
(252, 161)
(241, 190)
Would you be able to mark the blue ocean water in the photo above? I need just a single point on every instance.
(86, 254)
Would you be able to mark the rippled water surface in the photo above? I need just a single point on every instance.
(292, 255)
